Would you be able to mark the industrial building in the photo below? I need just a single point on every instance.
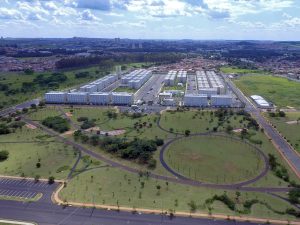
(195, 100)
(260, 101)
(121, 98)
(221, 100)
(78, 98)
(56, 97)
(100, 98)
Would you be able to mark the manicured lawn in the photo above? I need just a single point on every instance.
(290, 131)
(55, 158)
(282, 92)
(114, 187)
(214, 159)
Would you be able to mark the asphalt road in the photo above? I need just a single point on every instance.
(19, 107)
(44, 213)
(283, 146)
(150, 90)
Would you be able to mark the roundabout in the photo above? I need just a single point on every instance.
(215, 159)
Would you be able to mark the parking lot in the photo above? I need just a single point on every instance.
(18, 194)
(25, 188)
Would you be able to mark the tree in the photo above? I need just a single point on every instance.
(37, 178)
(192, 205)
(38, 165)
(51, 180)
(187, 132)
(4, 155)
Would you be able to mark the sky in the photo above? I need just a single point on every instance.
(152, 19)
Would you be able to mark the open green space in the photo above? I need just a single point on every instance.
(198, 121)
(281, 91)
(111, 186)
(289, 127)
(214, 159)
(125, 89)
(33, 153)
(236, 70)
(42, 113)
(176, 87)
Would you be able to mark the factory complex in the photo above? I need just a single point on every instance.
(191, 89)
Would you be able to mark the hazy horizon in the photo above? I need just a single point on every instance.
(276, 20)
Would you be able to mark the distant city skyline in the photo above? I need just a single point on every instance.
(152, 19)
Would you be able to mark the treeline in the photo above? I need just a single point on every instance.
(107, 61)
(56, 123)
(137, 149)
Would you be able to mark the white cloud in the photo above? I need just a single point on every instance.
(10, 14)
(88, 15)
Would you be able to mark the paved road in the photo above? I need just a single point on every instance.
(49, 214)
(236, 185)
(44, 212)
(19, 107)
(150, 90)
(283, 146)
(155, 176)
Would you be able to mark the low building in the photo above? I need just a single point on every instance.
(100, 98)
(122, 98)
(260, 101)
(195, 100)
(221, 100)
(56, 97)
(78, 98)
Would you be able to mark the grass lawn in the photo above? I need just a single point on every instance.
(196, 121)
(179, 88)
(228, 69)
(125, 89)
(42, 113)
(56, 158)
(114, 187)
(281, 91)
(214, 159)
(290, 131)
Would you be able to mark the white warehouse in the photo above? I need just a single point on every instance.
(88, 88)
(100, 98)
(195, 100)
(122, 98)
(221, 100)
(56, 97)
(77, 98)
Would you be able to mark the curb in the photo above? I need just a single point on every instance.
(55, 198)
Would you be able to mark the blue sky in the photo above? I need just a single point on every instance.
(152, 19)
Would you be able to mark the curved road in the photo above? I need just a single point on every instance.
(236, 185)
(155, 176)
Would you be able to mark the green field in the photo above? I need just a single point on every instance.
(282, 92)
(27, 147)
(290, 131)
(214, 159)
(125, 89)
(111, 186)
(196, 121)
(235, 70)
